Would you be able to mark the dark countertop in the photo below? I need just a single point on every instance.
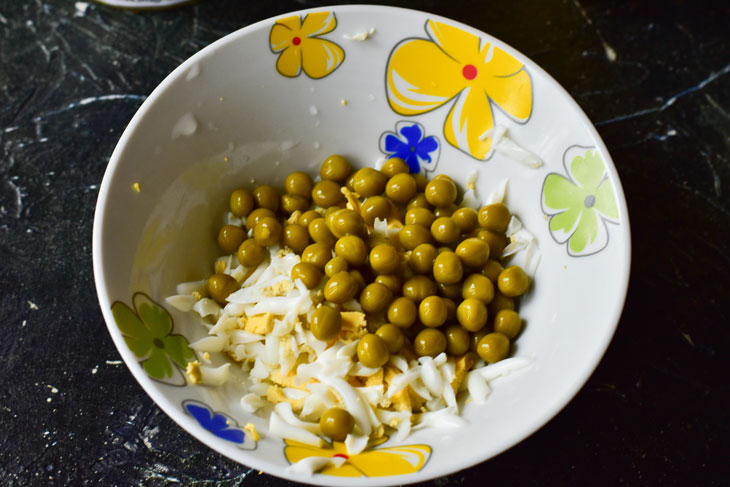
(654, 78)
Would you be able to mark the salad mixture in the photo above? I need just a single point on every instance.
(363, 303)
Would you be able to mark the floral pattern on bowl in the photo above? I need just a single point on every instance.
(424, 74)
(300, 46)
(410, 143)
(147, 330)
(374, 462)
(582, 204)
(219, 424)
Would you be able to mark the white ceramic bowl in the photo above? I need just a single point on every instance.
(286, 92)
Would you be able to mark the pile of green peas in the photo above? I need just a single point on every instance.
(438, 286)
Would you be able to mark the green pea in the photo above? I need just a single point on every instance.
(266, 197)
(335, 265)
(340, 288)
(335, 168)
(393, 166)
(230, 237)
(402, 312)
(513, 281)
(336, 423)
(296, 238)
(494, 217)
(372, 351)
(384, 259)
(251, 253)
(220, 286)
(472, 314)
(327, 193)
(326, 323)
(493, 347)
(241, 202)
(429, 342)
(447, 268)
(432, 311)
(418, 288)
(299, 183)
(308, 273)
(479, 287)
(508, 323)
(353, 249)
(375, 297)
(393, 337)
(267, 231)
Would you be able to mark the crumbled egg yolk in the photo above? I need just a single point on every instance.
(193, 372)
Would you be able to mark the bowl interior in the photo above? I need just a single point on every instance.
(228, 118)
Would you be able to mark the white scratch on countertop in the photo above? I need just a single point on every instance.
(716, 182)
(716, 106)
(114, 362)
(89, 100)
(610, 51)
(18, 197)
(80, 9)
(148, 434)
(45, 50)
(32, 305)
(670, 101)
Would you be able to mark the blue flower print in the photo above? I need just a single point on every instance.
(408, 143)
(218, 424)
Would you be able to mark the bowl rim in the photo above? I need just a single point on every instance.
(261, 463)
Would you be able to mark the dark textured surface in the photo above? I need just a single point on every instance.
(654, 412)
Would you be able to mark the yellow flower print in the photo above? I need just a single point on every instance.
(379, 462)
(300, 47)
(424, 74)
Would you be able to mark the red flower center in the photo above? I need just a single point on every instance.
(341, 455)
(296, 41)
(469, 71)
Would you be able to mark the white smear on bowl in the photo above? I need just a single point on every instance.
(288, 144)
(313, 110)
(316, 145)
(185, 126)
(193, 72)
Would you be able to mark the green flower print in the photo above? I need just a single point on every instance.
(580, 205)
(147, 331)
